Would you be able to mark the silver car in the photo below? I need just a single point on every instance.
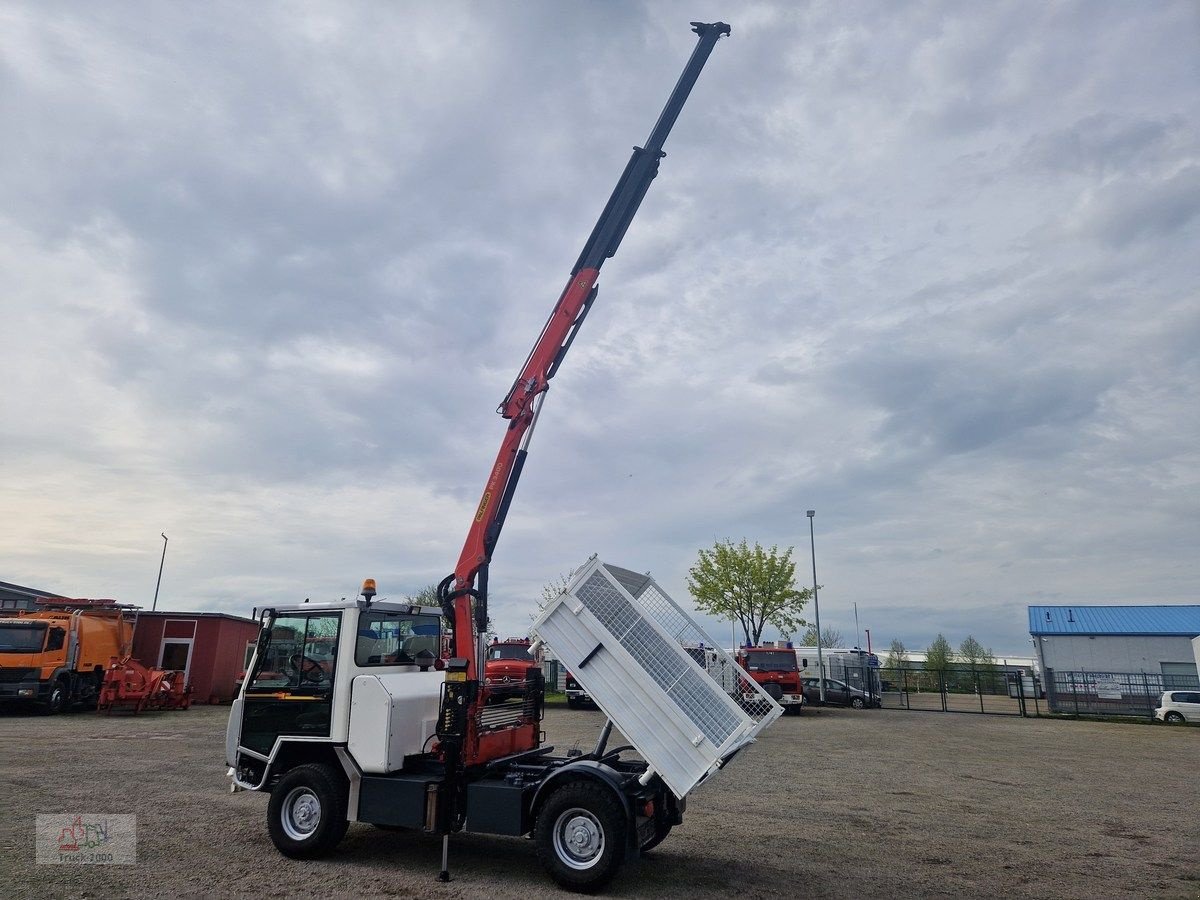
(837, 693)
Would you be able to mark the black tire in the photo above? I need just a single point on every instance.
(857, 702)
(306, 817)
(1174, 718)
(60, 697)
(580, 835)
(573, 703)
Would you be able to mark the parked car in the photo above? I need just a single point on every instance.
(837, 693)
(1179, 707)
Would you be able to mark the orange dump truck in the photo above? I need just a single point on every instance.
(56, 656)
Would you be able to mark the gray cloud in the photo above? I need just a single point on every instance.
(929, 270)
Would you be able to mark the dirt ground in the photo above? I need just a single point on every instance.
(839, 803)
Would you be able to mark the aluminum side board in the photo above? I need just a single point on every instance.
(638, 672)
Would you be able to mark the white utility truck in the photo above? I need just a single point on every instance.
(360, 712)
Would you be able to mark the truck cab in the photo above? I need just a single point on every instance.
(775, 670)
(507, 665)
(326, 674)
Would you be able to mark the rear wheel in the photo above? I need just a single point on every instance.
(1174, 718)
(307, 813)
(580, 835)
(660, 835)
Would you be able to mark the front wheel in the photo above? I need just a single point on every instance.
(580, 835)
(307, 813)
(857, 702)
(60, 693)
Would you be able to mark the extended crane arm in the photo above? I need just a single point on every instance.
(523, 401)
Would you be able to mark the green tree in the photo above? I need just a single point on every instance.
(980, 659)
(972, 652)
(752, 585)
(939, 654)
(426, 596)
(897, 657)
(830, 637)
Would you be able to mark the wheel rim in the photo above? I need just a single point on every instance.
(578, 839)
(301, 814)
(1174, 717)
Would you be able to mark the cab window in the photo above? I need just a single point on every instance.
(395, 638)
(300, 653)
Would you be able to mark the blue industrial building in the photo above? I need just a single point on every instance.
(1159, 642)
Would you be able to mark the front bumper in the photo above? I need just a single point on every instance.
(30, 691)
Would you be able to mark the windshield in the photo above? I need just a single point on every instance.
(771, 661)
(22, 638)
(509, 651)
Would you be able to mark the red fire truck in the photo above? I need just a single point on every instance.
(774, 668)
(508, 667)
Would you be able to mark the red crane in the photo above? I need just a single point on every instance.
(463, 594)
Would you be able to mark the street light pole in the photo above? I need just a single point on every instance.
(816, 606)
(160, 568)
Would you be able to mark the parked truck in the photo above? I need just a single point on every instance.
(56, 656)
(387, 731)
(507, 667)
(775, 669)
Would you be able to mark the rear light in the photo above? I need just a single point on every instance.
(648, 809)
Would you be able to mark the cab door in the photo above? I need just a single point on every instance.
(289, 693)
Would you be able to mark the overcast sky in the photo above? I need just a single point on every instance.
(928, 269)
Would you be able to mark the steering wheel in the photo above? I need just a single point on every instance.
(306, 667)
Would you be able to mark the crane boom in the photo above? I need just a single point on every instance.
(463, 594)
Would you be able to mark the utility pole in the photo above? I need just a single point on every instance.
(816, 606)
(160, 568)
(857, 630)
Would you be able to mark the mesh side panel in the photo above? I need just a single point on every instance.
(686, 686)
(717, 664)
(606, 604)
(717, 723)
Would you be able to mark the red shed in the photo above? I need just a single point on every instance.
(212, 648)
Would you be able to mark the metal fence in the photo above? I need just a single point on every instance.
(991, 690)
(1111, 693)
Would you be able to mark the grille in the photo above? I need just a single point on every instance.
(13, 675)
